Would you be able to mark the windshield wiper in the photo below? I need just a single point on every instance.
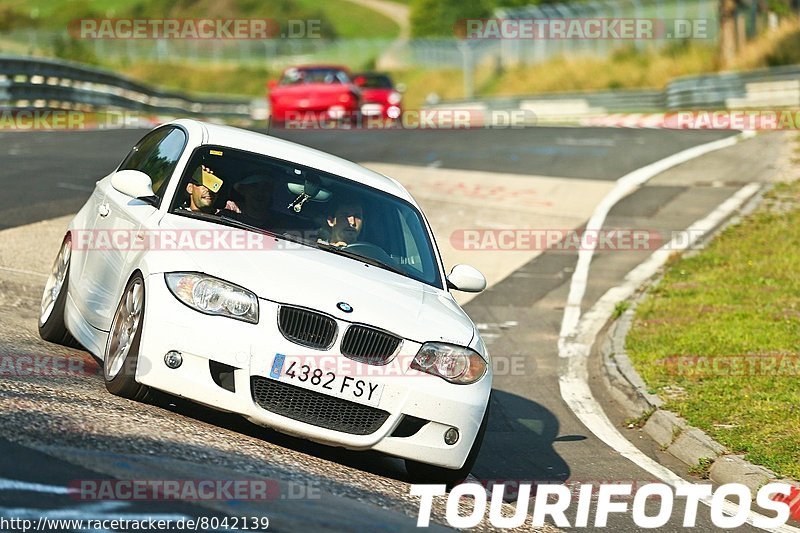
(245, 225)
(227, 221)
(362, 258)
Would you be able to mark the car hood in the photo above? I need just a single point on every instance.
(290, 273)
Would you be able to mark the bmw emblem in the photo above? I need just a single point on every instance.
(345, 307)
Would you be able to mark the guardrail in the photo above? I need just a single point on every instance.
(776, 87)
(29, 82)
(773, 87)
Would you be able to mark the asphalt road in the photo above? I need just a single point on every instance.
(49, 173)
(532, 437)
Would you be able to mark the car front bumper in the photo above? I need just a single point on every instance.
(250, 349)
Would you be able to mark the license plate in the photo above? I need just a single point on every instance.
(371, 109)
(304, 372)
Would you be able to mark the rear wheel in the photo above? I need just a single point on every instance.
(54, 299)
(426, 473)
(121, 355)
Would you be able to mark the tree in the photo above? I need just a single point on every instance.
(727, 32)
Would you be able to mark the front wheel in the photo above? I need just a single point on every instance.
(426, 473)
(54, 299)
(121, 355)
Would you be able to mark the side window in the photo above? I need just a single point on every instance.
(157, 155)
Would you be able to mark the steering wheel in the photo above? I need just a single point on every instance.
(372, 251)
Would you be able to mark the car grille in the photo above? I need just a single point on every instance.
(307, 328)
(368, 345)
(316, 408)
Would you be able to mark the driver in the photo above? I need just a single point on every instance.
(203, 189)
(344, 225)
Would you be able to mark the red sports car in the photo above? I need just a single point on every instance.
(379, 95)
(310, 93)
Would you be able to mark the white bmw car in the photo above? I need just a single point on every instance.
(263, 278)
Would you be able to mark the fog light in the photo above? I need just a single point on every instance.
(451, 436)
(174, 359)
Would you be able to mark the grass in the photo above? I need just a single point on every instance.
(341, 18)
(353, 21)
(738, 299)
(703, 468)
(199, 79)
(625, 68)
(619, 309)
(628, 68)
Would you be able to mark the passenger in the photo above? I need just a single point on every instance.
(256, 191)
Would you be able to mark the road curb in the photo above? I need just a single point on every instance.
(672, 433)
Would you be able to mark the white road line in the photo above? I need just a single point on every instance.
(578, 333)
(13, 484)
(105, 510)
(624, 186)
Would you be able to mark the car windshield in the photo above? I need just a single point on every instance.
(374, 81)
(317, 209)
(299, 76)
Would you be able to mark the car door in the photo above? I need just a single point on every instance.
(119, 218)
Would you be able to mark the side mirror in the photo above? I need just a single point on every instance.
(400, 87)
(133, 183)
(271, 84)
(360, 81)
(466, 278)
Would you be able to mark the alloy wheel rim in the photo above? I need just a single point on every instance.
(55, 281)
(123, 329)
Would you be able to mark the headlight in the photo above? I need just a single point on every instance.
(455, 364)
(213, 296)
(394, 98)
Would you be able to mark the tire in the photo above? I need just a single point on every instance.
(121, 356)
(54, 299)
(426, 473)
